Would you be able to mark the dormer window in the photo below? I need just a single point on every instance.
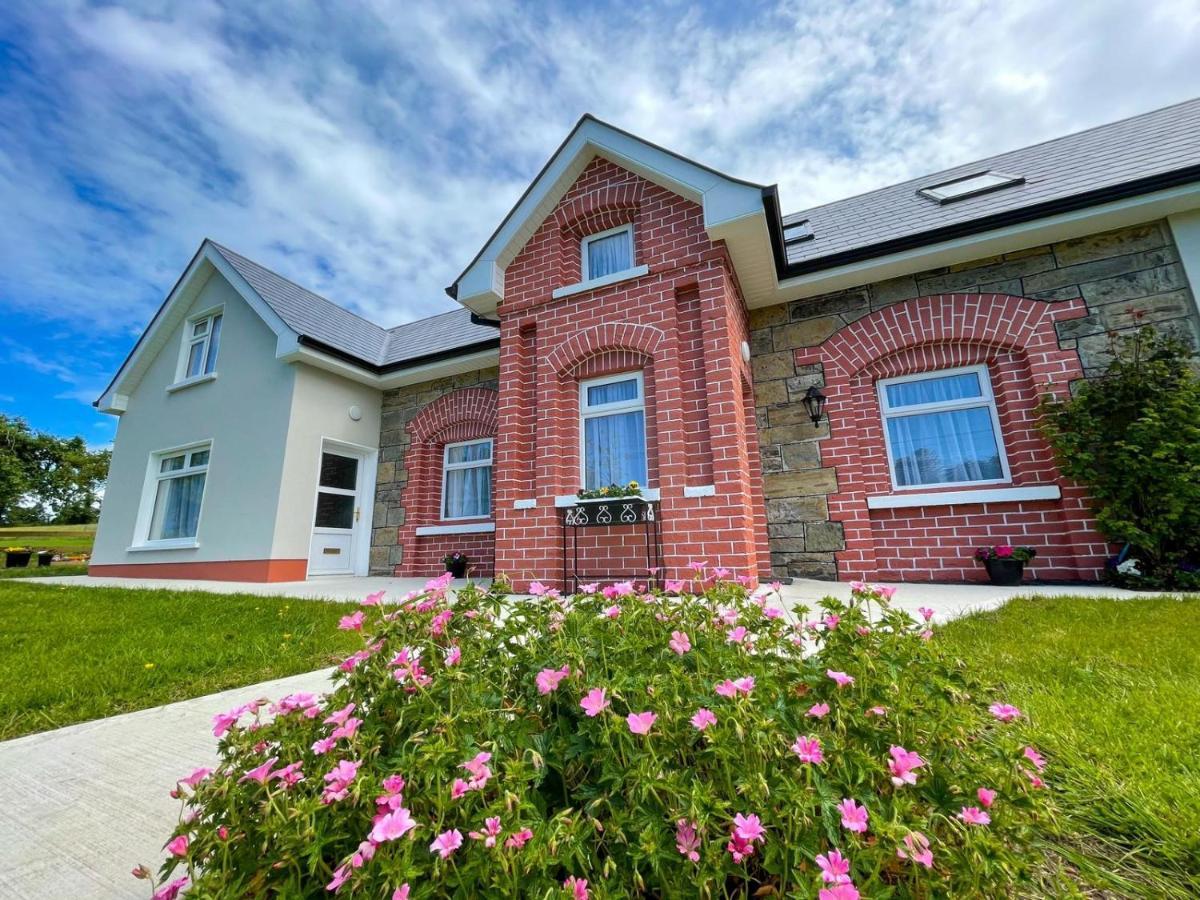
(970, 186)
(201, 341)
(607, 252)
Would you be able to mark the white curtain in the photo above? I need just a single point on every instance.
(615, 449)
(468, 492)
(609, 254)
(177, 507)
(944, 447)
(934, 390)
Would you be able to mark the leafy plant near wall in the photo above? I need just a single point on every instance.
(1132, 437)
(611, 492)
(692, 742)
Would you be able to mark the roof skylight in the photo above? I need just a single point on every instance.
(797, 232)
(948, 191)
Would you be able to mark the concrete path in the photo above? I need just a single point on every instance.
(82, 805)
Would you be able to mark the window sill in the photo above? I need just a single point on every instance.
(184, 544)
(563, 500)
(465, 528)
(978, 495)
(191, 382)
(593, 283)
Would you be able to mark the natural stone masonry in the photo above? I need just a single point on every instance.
(1121, 277)
(401, 406)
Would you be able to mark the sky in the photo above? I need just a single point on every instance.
(367, 149)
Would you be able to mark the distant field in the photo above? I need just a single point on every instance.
(59, 538)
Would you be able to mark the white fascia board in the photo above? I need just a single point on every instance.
(1065, 226)
(468, 362)
(1185, 229)
(723, 200)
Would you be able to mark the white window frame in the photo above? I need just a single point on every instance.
(154, 477)
(448, 467)
(586, 411)
(188, 341)
(585, 270)
(986, 399)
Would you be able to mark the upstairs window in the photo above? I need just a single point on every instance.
(607, 252)
(613, 430)
(467, 480)
(941, 429)
(959, 188)
(201, 340)
(177, 482)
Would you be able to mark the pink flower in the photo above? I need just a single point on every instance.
(458, 788)
(818, 710)
(835, 868)
(1004, 551)
(877, 711)
(589, 588)
(259, 773)
(854, 817)
(340, 717)
(340, 876)
(290, 775)
(491, 830)
(446, 843)
(916, 848)
(352, 622)
(323, 745)
(674, 587)
(831, 621)
(170, 891)
(520, 839)
(703, 718)
(838, 892)
(686, 840)
(680, 642)
(548, 679)
(1005, 712)
(537, 589)
(178, 846)
(926, 613)
(698, 565)
(1034, 780)
(196, 777)
(808, 749)
(641, 723)
(393, 784)
(401, 893)
(339, 780)
(720, 572)
(578, 888)
(375, 599)
(392, 826)
(736, 635)
(453, 655)
(903, 765)
(886, 592)
(772, 612)
(986, 797)
(594, 703)
(841, 678)
(223, 833)
(742, 685)
(727, 688)
(613, 611)
(973, 815)
(748, 828)
(1036, 758)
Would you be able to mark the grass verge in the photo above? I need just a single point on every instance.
(1112, 693)
(69, 654)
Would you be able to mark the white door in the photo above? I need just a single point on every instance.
(339, 511)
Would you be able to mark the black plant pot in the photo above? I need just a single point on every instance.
(1005, 572)
(457, 569)
(16, 560)
(44, 560)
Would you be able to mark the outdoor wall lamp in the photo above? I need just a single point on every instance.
(814, 402)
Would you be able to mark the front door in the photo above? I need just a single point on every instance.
(339, 510)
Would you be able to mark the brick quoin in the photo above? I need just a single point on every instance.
(682, 325)
(1015, 337)
(462, 415)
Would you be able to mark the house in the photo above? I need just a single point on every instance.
(638, 315)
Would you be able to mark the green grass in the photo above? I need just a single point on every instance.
(59, 538)
(1112, 691)
(55, 569)
(69, 654)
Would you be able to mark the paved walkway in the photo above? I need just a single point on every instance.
(83, 804)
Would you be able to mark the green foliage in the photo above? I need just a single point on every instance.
(1132, 437)
(437, 684)
(44, 478)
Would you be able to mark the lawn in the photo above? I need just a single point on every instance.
(71, 540)
(69, 654)
(1112, 692)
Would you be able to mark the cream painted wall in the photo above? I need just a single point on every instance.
(320, 408)
(244, 412)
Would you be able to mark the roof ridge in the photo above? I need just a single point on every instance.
(449, 312)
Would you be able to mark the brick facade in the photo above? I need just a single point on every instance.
(1038, 318)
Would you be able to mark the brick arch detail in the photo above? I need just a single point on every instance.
(471, 409)
(643, 339)
(600, 209)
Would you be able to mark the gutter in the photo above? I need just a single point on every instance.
(376, 369)
(1123, 191)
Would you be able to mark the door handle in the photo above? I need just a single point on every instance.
(357, 512)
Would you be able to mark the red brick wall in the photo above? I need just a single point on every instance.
(682, 324)
(1016, 338)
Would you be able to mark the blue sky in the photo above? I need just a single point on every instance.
(366, 150)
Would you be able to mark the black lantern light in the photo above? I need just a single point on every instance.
(814, 402)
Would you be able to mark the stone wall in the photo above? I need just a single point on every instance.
(1118, 275)
(400, 406)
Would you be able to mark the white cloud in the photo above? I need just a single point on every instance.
(368, 151)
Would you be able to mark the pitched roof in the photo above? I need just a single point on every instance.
(1121, 153)
(322, 320)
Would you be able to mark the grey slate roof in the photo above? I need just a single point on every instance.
(323, 320)
(1146, 145)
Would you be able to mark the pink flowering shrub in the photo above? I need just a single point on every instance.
(700, 742)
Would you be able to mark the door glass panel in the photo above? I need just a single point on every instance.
(339, 471)
(334, 510)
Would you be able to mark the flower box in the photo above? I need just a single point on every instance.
(600, 512)
(16, 559)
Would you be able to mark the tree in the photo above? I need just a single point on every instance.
(1132, 437)
(45, 478)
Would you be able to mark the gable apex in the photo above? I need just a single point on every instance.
(724, 200)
